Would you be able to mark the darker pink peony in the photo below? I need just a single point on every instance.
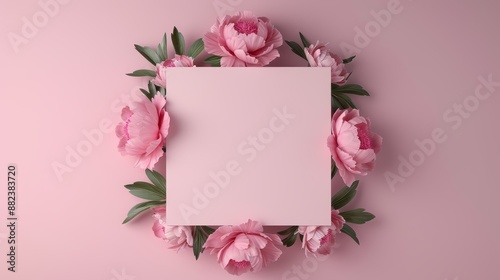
(337, 221)
(319, 56)
(352, 144)
(177, 61)
(243, 248)
(177, 237)
(143, 130)
(243, 40)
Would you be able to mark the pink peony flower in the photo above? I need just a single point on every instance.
(319, 56)
(352, 144)
(320, 240)
(143, 130)
(243, 40)
(317, 240)
(337, 221)
(178, 237)
(177, 61)
(243, 248)
(159, 225)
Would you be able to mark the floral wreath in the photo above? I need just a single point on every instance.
(245, 40)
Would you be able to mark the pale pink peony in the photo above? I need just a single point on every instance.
(177, 237)
(243, 40)
(319, 56)
(320, 239)
(337, 221)
(143, 130)
(317, 239)
(243, 248)
(352, 144)
(177, 61)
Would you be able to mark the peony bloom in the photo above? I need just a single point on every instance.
(337, 221)
(319, 56)
(317, 240)
(159, 225)
(320, 240)
(143, 130)
(243, 248)
(177, 237)
(352, 144)
(243, 40)
(178, 61)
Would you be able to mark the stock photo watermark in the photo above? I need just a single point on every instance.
(453, 118)
(122, 275)
(307, 267)
(225, 7)
(31, 25)
(92, 138)
(249, 150)
(365, 34)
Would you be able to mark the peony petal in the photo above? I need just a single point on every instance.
(241, 242)
(364, 156)
(347, 139)
(250, 227)
(253, 42)
(230, 61)
(241, 55)
(126, 113)
(376, 142)
(217, 239)
(274, 37)
(265, 59)
(212, 44)
(232, 40)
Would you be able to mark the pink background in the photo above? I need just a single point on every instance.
(440, 223)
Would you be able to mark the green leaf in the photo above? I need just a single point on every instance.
(339, 103)
(148, 95)
(208, 230)
(334, 169)
(289, 230)
(348, 76)
(350, 232)
(349, 59)
(162, 48)
(163, 91)
(152, 88)
(158, 180)
(199, 239)
(344, 196)
(142, 73)
(196, 48)
(357, 216)
(345, 100)
(178, 41)
(141, 207)
(297, 49)
(289, 240)
(147, 186)
(148, 54)
(350, 89)
(213, 60)
(146, 194)
(145, 191)
(305, 42)
(291, 237)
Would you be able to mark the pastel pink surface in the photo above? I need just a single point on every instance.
(242, 137)
(440, 223)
